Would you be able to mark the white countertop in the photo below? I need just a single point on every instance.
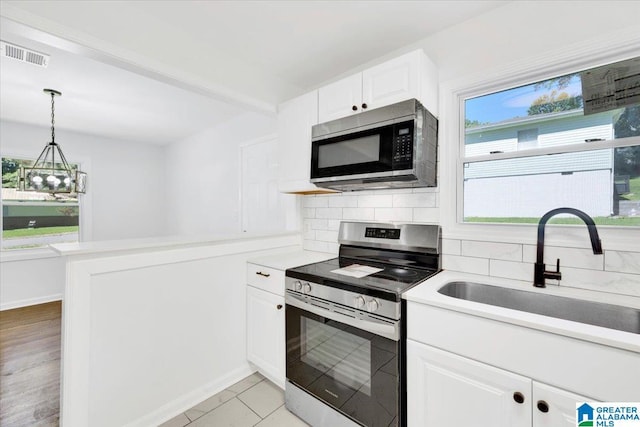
(291, 259)
(427, 293)
(157, 243)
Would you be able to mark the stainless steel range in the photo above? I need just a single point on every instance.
(345, 332)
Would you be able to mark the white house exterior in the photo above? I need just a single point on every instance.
(531, 186)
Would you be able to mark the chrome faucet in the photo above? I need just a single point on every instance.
(539, 272)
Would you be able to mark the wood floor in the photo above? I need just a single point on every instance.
(30, 365)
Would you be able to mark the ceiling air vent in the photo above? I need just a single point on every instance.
(25, 55)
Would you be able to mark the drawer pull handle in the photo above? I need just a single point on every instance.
(518, 397)
(279, 306)
(543, 406)
(263, 274)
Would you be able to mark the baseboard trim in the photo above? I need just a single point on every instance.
(30, 301)
(189, 400)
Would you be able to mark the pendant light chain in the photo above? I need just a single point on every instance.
(53, 118)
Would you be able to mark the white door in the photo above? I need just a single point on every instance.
(393, 81)
(340, 99)
(448, 390)
(265, 333)
(553, 407)
(264, 208)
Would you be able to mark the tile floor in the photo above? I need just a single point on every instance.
(254, 401)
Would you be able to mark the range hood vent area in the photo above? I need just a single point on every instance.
(24, 55)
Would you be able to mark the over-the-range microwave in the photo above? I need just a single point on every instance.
(389, 147)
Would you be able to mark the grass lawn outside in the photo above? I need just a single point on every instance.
(43, 231)
(634, 190)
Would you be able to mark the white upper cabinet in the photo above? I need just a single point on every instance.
(408, 76)
(340, 99)
(295, 118)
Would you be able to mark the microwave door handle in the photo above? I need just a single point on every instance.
(391, 331)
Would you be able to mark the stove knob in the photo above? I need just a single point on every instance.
(373, 305)
(359, 301)
(307, 288)
(297, 286)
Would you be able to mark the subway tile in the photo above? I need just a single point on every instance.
(502, 251)
(426, 190)
(329, 213)
(334, 224)
(314, 202)
(569, 257)
(604, 281)
(466, 264)
(414, 200)
(511, 270)
(429, 215)
(622, 262)
(309, 234)
(358, 214)
(394, 214)
(451, 247)
(308, 213)
(340, 201)
(326, 236)
(315, 245)
(316, 224)
(375, 201)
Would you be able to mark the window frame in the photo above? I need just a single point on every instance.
(84, 205)
(567, 60)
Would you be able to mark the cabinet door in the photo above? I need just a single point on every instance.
(295, 118)
(392, 81)
(338, 99)
(559, 404)
(265, 333)
(448, 390)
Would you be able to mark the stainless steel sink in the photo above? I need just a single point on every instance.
(593, 313)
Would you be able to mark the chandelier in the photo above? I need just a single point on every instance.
(51, 173)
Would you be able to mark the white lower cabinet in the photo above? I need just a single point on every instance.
(445, 389)
(265, 333)
(560, 405)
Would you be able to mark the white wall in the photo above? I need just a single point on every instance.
(203, 176)
(111, 209)
(475, 51)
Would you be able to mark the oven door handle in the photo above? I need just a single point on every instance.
(378, 327)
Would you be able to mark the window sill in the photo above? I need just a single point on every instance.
(27, 254)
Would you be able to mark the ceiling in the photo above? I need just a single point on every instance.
(267, 51)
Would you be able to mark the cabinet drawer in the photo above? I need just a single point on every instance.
(265, 278)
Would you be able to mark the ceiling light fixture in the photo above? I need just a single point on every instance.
(51, 173)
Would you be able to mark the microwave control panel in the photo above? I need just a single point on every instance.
(403, 143)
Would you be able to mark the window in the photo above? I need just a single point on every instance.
(572, 140)
(32, 220)
(528, 135)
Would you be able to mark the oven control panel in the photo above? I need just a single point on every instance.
(365, 303)
(382, 233)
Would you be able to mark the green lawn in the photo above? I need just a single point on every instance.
(625, 222)
(43, 231)
(634, 189)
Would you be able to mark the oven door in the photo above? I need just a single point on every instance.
(344, 361)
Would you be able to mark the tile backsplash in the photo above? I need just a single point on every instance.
(614, 271)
